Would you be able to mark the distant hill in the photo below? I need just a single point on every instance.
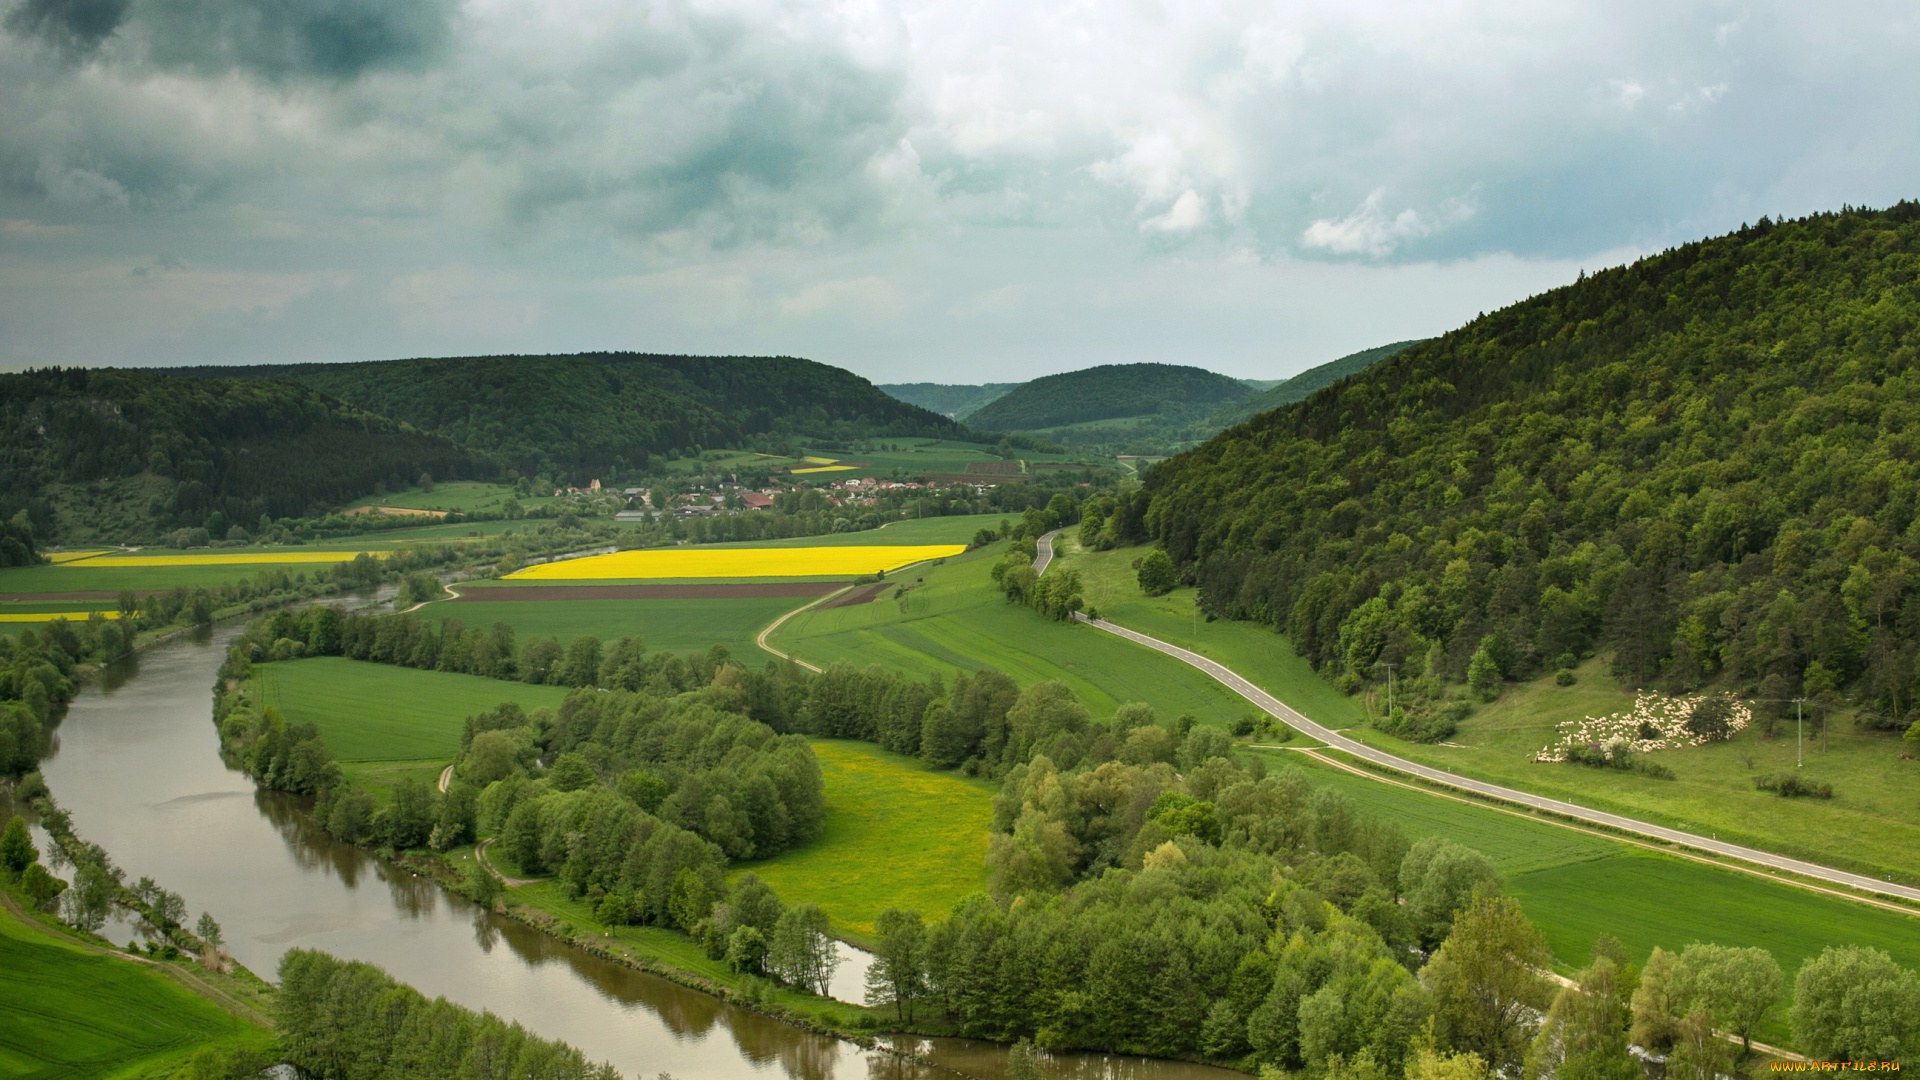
(1288, 391)
(582, 414)
(948, 400)
(1169, 393)
(117, 454)
(1703, 467)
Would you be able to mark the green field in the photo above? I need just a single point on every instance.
(369, 712)
(72, 1012)
(903, 457)
(958, 619)
(465, 496)
(897, 835)
(679, 626)
(955, 529)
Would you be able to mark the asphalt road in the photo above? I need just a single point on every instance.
(1043, 552)
(1278, 709)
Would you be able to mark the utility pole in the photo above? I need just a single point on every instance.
(1799, 735)
(1389, 667)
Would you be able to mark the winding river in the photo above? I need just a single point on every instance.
(137, 764)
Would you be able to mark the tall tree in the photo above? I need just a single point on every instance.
(898, 974)
(1856, 1004)
(1486, 981)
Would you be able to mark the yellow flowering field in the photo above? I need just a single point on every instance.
(49, 616)
(74, 556)
(698, 562)
(237, 558)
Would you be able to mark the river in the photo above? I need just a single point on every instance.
(136, 762)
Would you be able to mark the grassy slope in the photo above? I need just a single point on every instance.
(370, 712)
(72, 1012)
(461, 495)
(957, 529)
(897, 835)
(957, 619)
(679, 626)
(1873, 824)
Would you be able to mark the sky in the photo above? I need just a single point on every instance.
(916, 190)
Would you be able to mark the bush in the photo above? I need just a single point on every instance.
(1793, 786)
(1157, 575)
(1564, 678)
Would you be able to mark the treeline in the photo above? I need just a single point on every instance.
(1176, 394)
(239, 447)
(345, 1020)
(1701, 464)
(597, 414)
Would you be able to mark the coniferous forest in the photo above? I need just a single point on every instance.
(1702, 464)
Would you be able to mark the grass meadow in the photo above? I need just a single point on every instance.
(954, 618)
(672, 625)
(954, 529)
(72, 1012)
(464, 496)
(897, 834)
(369, 712)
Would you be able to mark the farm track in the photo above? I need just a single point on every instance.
(1292, 718)
(760, 639)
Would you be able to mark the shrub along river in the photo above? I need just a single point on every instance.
(137, 764)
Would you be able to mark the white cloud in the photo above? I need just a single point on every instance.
(1371, 230)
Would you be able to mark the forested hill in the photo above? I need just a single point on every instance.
(948, 400)
(183, 450)
(586, 413)
(1109, 392)
(1288, 391)
(1703, 464)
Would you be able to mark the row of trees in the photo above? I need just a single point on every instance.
(1701, 464)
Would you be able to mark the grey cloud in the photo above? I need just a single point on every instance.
(74, 27)
(281, 39)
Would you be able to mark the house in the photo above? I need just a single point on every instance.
(753, 500)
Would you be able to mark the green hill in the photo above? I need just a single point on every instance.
(115, 454)
(1171, 394)
(1288, 391)
(948, 400)
(586, 413)
(1704, 467)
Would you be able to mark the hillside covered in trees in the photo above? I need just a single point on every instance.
(1173, 395)
(592, 412)
(1288, 391)
(1703, 465)
(156, 453)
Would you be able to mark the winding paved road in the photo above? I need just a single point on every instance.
(1043, 552)
(1277, 708)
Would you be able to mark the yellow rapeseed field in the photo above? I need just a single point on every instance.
(72, 556)
(825, 468)
(699, 562)
(238, 558)
(49, 616)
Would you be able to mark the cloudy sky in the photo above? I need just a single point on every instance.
(936, 190)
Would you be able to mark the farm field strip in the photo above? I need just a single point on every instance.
(237, 558)
(369, 712)
(897, 834)
(678, 625)
(739, 562)
(49, 616)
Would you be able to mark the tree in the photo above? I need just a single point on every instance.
(41, 886)
(1738, 987)
(1157, 575)
(1855, 1004)
(801, 952)
(16, 847)
(426, 482)
(1584, 1034)
(1023, 1061)
(1483, 673)
(1486, 983)
(209, 931)
(746, 950)
(1698, 1051)
(1655, 1010)
(480, 886)
(898, 972)
(1439, 877)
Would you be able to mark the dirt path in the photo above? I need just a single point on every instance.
(446, 779)
(480, 854)
(761, 638)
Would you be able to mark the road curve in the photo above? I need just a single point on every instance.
(1279, 709)
(1043, 552)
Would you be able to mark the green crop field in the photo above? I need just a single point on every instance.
(679, 626)
(958, 619)
(897, 835)
(70, 1012)
(376, 712)
(464, 496)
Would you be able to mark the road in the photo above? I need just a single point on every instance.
(1043, 552)
(1279, 710)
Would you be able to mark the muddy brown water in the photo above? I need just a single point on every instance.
(137, 765)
